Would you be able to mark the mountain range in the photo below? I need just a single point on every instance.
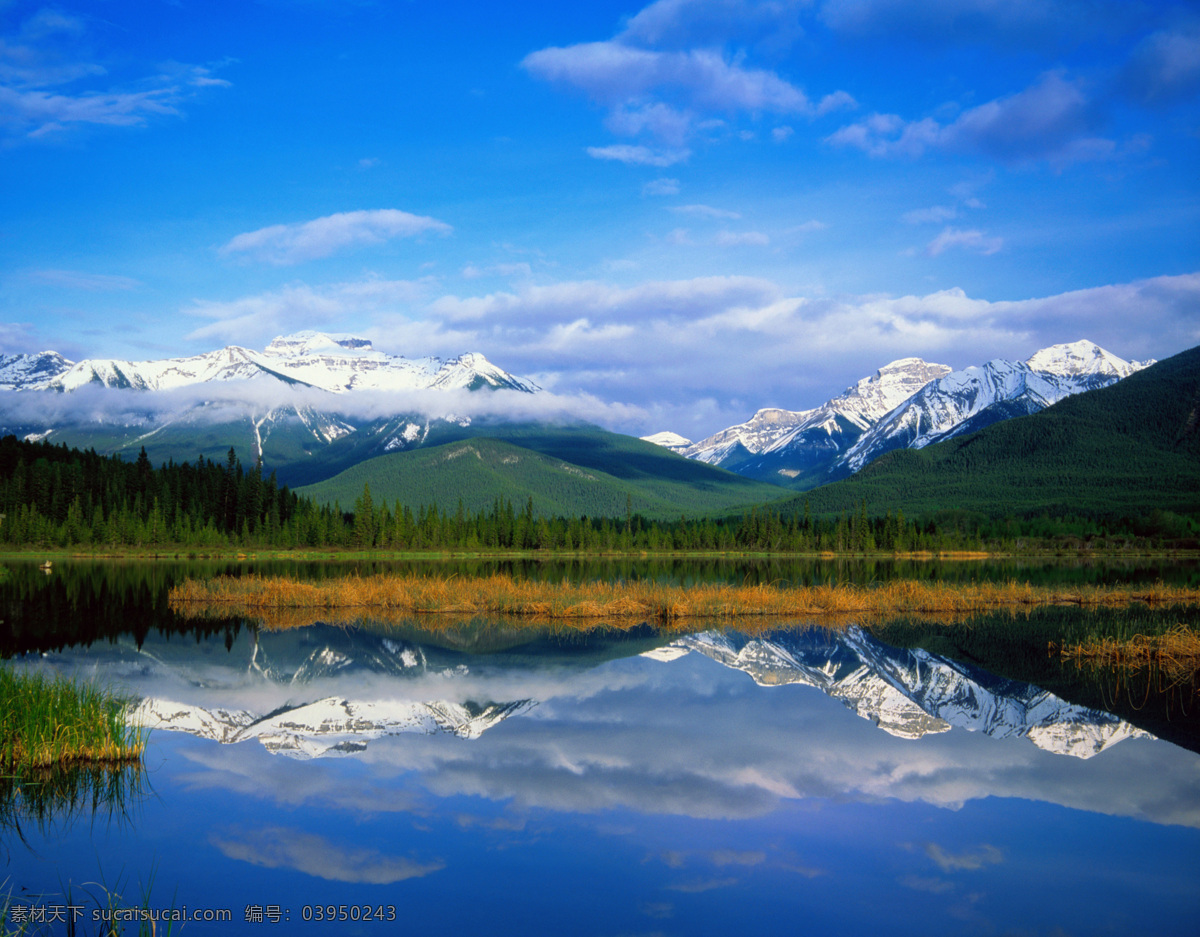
(1128, 449)
(330, 414)
(909, 403)
(333, 363)
(907, 693)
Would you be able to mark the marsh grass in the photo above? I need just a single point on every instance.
(284, 601)
(106, 907)
(49, 721)
(1173, 655)
(54, 798)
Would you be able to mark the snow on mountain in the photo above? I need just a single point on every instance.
(335, 363)
(912, 693)
(970, 399)
(906, 403)
(755, 435)
(793, 441)
(672, 441)
(868, 400)
(31, 372)
(1083, 359)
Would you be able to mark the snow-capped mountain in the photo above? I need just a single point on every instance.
(31, 372)
(777, 444)
(908, 403)
(269, 404)
(968, 400)
(912, 693)
(334, 363)
(672, 441)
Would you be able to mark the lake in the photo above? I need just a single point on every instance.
(506, 780)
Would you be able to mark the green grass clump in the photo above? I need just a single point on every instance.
(48, 721)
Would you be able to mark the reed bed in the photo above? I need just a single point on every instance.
(387, 596)
(53, 722)
(1175, 653)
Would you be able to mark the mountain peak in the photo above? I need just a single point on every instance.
(1082, 358)
(309, 341)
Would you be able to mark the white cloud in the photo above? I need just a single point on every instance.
(1052, 120)
(1026, 22)
(933, 215)
(661, 187)
(48, 87)
(89, 282)
(972, 240)
(696, 355)
(665, 123)
(807, 227)
(258, 318)
(738, 238)
(295, 243)
(638, 155)
(1165, 67)
(971, 861)
(614, 74)
(280, 847)
(473, 272)
(779, 134)
(705, 211)
(669, 74)
(686, 23)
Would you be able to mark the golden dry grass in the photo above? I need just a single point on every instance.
(281, 601)
(1176, 653)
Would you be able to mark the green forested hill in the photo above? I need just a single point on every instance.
(1130, 448)
(574, 472)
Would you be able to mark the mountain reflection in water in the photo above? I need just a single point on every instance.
(714, 783)
(907, 693)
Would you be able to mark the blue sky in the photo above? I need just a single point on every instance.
(690, 209)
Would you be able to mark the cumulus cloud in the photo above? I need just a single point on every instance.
(670, 75)
(613, 73)
(1053, 119)
(679, 348)
(696, 355)
(276, 847)
(258, 318)
(687, 23)
(295, 243)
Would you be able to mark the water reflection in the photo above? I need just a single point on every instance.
(908, 693)
(52, 800)
(510, 782)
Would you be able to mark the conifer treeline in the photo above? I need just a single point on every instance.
(53, 496)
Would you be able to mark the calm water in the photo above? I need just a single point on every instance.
(508, 782)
